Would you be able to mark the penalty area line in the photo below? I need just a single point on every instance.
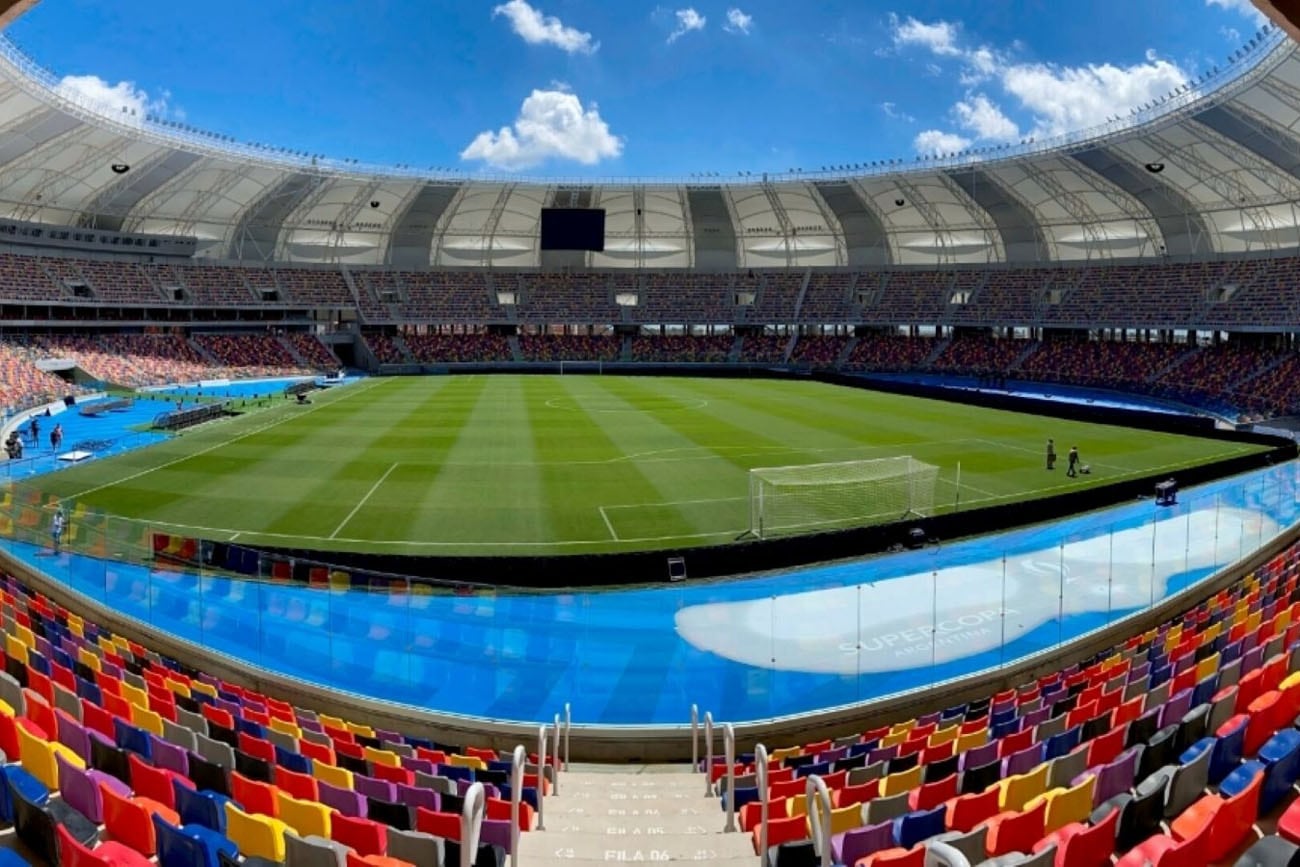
(357, 508)
(608, 524)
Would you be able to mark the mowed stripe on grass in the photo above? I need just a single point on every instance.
(523, 464)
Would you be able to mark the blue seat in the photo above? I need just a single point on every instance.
(1281, 757)
(200, 807)
(1062, 744)
(10, 858)
(190, 845)
(529, 794)
(455, 772)
(133, 739)
(250, 728)
(89, 691)
(1227, 752)
(821, 769)
(291, 761)
(913, 828)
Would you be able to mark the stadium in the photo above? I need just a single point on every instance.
(940, 511)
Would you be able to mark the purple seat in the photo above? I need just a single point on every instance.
(232, 706)
(848, 847)
(418, 796)
(978, 756)
(1138, 672)
(932, 717)
(496, 832)
(411, 763)
(1252, 658)
(346, 801)
(1115, 777)
(111, 669)
(1173, 711)
(463, 786)
(381, 790)
(882, 754)
(833, 755)
(1034, 718)
(311, 725)
(1024, 761)
(169, 756)
(80, 789)
(390, 736)
(73, 735)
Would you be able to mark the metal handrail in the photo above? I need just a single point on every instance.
(760, 771)
(517, 761)
(559, 762)
(695, 737)
(568, 727)
(819, 814)
(729, 747)
(708, 753)
(471, 823)
(541, 778)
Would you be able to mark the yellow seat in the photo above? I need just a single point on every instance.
(359, 729)
(903, 727)
(88, 658)
(177, 687)
(147, 719)
(205, 688)
(796, 806)
(846, 818)
(1206, 667)
(903, 781)
(285, 727)
(893, 739)
(332, 722)
(15, 649)
(256, 835)
(1066, 805)
(942, 736)
(134, 694)
(37, 757)
(24, 635)
(459, 761)
(304, 817)
(1020, 789)
(331, 774)
(784, 753)
(382, 757)
(971, 740)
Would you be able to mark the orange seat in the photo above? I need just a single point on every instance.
(1229, 819)
(298, 785)
(894, 858)
(253, 796)
(128, 820)
(930, 795)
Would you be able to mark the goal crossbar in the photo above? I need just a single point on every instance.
(839, 494)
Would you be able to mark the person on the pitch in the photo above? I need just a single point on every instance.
(1072, 470)
(56, 530)
(56, 437)
(1051, 455)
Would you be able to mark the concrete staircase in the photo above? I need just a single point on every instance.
(635, 816)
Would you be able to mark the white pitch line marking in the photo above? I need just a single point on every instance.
(214, 447)
(609, 526)
(370, 493)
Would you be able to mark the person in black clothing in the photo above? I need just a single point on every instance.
(1051, 455)
(1072, 469)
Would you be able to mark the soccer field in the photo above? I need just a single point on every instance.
(572, 464)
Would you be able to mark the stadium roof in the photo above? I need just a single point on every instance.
(1211, 169)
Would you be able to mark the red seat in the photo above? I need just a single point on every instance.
(111, 854)
(1288, 824)
(968, 811)
(1105, 749)
(128, 820)
(1263, 713)
(1165, 851)
(894, 858)
(858, 794)
(930, 795)
(784, 830)
(155, 783)
(365, 836)
(445, 825)
(301, 786)
(1016, 832)
(1082, 845)
(257, 747)
(253, 796)
(392, 774)
(1230, 820)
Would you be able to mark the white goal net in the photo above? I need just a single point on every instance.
(836, 495)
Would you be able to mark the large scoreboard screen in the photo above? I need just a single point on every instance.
(573, 229)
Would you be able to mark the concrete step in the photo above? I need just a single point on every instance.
(692, 813)
(629, 847)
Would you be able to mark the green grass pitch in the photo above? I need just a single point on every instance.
(571, 464)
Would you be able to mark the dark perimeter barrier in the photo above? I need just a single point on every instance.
(177, 419)
(743, 557)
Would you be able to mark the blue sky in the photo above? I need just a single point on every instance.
(630, 88)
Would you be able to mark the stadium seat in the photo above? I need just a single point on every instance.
(256, 836)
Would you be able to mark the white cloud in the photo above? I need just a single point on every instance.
(939, 37)
(891, 111)
(738, 22)
(1066, 98)
(1053, 98)
(977, 114)
(538, 29)
(122, 101)
(552, 124)
(936, 141)
(1243, 7)
(687, 20)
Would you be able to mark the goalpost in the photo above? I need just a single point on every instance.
(842, 494)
